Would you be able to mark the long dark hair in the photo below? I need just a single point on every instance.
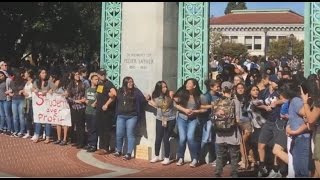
(157, 92)
(289, 89)
(63, 80)
(39, 80)
(240, 97)
(73, 84)
(124, 88)
(184, 94)
(247, 95)
(18, 80)
(30, 72)
(5, 77)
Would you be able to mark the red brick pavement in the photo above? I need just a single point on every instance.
(148, 169)
(23, 158)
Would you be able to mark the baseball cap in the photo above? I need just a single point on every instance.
(273, 78)
(226, 84)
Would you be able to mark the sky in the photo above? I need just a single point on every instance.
(217, 8)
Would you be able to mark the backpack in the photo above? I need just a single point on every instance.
(226, 122)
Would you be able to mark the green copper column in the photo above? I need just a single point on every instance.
(312, 38)
(193, 42)
(110, 53)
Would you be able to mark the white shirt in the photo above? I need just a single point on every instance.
(28, 89)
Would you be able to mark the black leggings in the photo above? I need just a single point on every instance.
(163, 133)
(78, 121)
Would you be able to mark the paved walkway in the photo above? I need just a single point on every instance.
(23, 158)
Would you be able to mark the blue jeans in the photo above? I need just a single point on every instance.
(187, 129)
(301, 156)
(38, 129)
(126, 125)
(5, 114)
(18, 115)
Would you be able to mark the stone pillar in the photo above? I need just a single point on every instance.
(311, 38)
(149, 52)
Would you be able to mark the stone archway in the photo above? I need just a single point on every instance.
(193, 29)
(192, 41)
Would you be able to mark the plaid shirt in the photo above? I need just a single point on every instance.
(76, 92)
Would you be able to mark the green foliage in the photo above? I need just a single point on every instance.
(230, 6)
(241, 5)
(231, 49)
(215, 40)
(52, 29)
(235, 6)
(280, 48)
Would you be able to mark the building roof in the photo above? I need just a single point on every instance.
(268, 16)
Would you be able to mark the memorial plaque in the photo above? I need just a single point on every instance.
(143, 152)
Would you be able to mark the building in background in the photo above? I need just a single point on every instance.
(257, 28)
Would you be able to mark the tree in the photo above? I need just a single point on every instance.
(231, 49)
(280, 48)
(215, 40)
(234, 6)
(50, 29)
(230, 6)
(241, 5)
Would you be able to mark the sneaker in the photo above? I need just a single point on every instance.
(57, 142)
(92, 149)
(262, 172)
(180, 162)
(127, 157)
(155, 159)
(193, 163)
(20, 135)
(166, 161)
(34, 137)
(63, 143)
(214, 163)
(26, 136)
(117, 154)
(274, 174)
(14, 135)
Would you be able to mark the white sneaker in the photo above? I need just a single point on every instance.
(180, 162)
(155, 159)
(26, 136)
(166, 161)
(34, 137)
(214, 163)
(274, 174)
(193, 163)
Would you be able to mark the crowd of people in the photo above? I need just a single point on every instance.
(256, 118)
